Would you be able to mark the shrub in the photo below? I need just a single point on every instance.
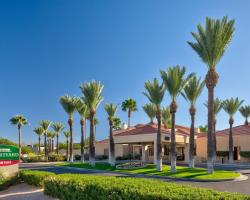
(56, 157)
(34, 158)
(26, 150)
(34, 177)
(222, 153)
(245, 154)
(101, 157)
(6, 182)
(69, 186)
(77, 157)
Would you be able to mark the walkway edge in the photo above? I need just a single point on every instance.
(240, 178)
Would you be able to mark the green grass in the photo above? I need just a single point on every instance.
(150, 169)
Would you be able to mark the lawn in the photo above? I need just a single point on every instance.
(150, 169)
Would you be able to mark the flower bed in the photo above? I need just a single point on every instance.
(130, 165)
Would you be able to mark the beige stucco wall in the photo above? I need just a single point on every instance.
(101, 146)
(242, 141)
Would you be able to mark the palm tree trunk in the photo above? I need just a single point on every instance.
(231, 121)
(45, 147)
(71, 140)
(82, 139)
(52, 147)
(111, 145)
(173, 141)
(215, 141)
(129, 116)
(159, 144)
(19, 141)
(210, 141)
(67, 150)
(91, 141)
(191, 138)
(57, 144)
(211, 81)
(39, 144)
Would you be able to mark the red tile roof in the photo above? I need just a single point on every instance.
(237, 130)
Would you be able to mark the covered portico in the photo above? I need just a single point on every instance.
(141, 142)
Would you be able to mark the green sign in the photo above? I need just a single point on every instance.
(8, 155)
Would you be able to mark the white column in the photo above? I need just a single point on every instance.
(155, 152)
(143, 156)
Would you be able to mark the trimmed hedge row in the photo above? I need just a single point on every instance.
(35, 177)
(88, 187)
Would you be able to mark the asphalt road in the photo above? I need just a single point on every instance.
(230, 186)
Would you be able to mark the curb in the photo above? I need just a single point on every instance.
(240, 178)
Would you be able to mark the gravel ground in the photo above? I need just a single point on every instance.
(24, 192)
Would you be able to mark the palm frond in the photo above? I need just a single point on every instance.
(110, 110)
(38, 131)
(150, 110)
(129, 104)
(19, 120)
(212, 40)
(57, 127)
(231, 106)
(92, 94)
(45, 124)
(69, 104)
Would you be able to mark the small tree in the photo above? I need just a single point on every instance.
(39, 132)
(19, 121)
(111, 110)
(231, 106)
(129, 105)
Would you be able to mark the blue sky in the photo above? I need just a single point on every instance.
(47, 48)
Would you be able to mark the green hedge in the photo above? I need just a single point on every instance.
(34, 177)
(222, 153)
(245, 154)
(88, 187)
(6, 182)
(69, 186)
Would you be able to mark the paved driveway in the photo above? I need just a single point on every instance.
(230, 186)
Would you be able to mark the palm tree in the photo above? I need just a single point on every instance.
(19, 121)
(231, 106)
(191, 93)
(155, 93)
(116, 123)
(39, 132)
(111, 110)
(210, 44)
(67, 135)
(69, 105)
(129, 105)
(92, 97)
(174, 82)
(217, 109)
(58, 128)
(45, 124)
(166, 117)
(49, 139)
(245, 112)
(52, 140)
(203, 129)
(82, 110)
(150, 110)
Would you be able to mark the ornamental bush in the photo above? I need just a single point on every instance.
(245, 154)
(72, 186)
(34, 177)
(89, 187)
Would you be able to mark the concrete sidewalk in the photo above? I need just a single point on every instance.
(24, 192)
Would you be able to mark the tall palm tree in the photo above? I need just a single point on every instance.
(19, 121)
(210, 44)
(174, 80)
(217, 109)
(191, 93)
(129, 105)
(111, 110)
(231, 106)
(69, 105)
(82, 110)
(155, 93)
(245, 112)
(150, 110)
(39, 132)
(58, 128)
(45, 124)
(53, 135)
(49, 139)
(166, 117)
(92, 97)
(67, 135)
